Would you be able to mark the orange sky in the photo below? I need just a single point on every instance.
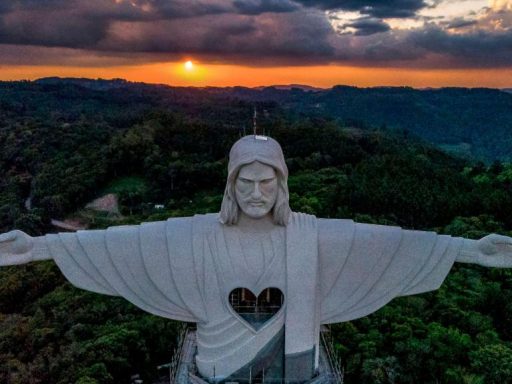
(226, 75)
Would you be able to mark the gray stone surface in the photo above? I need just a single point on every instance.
(184, 268)
(268, 363)
(300, 365)
(324, 375)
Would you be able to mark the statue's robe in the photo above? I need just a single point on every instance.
(185, 268)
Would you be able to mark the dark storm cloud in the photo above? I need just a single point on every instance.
(256, 7)
(135, 10)
(58, 29)
(368, 26)
(460, 22)
(477, 49)
(85, 24)
(165, 9)
(272, 36)
(374, 8)
(250, 32)
(380, 49)
(40, 55)
(88, 24)
(253, 35)
(4, 7)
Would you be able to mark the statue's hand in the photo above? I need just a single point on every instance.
(495, 251)
(15, 248)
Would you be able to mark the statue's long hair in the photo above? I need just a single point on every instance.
(230, 211)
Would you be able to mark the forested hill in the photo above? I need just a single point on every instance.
(162, 151)
(468, 122)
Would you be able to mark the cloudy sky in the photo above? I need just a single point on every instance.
(257, 42)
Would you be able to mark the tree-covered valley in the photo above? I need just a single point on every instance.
(352, 153)
(469, 122)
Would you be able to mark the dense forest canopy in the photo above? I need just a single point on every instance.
(470, 122)
(163, 150)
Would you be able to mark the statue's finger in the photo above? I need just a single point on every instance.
(503, 240)
(504, 247)
(499, 239)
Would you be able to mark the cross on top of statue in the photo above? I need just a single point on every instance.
(290, 272)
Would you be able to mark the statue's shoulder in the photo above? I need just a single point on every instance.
(179, 228)
(333, 233)
(329, 225)
(176, 224)
(296, 215)
(205, 222)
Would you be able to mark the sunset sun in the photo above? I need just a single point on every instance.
(189, 72)
(189, 66)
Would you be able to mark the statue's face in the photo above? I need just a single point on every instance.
(256, 189)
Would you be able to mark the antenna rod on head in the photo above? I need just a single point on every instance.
(255, 131)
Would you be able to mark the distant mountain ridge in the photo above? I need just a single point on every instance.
(97, 84)
(105, 84)
(474, 122)
(292, 86)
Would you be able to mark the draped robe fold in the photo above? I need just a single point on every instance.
(184, 269)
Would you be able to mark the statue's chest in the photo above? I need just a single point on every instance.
(256, 260)
(249, 264)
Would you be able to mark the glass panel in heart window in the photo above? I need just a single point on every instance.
(256, 310)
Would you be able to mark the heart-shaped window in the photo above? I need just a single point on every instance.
(256, 310)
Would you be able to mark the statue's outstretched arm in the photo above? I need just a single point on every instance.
(150, 265)
(490, 251)
(16, 247)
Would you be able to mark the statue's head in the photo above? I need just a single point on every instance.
(257, 183)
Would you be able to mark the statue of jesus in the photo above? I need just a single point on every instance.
(328, 270)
